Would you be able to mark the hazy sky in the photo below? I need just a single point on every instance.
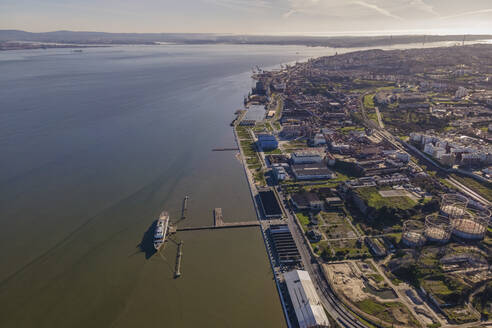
(323, 17)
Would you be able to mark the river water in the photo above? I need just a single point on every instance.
(93, 145)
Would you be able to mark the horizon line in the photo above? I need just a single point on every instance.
(294, 34)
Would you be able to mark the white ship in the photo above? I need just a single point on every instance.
(161, 230)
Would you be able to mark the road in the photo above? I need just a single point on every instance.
(264, 225)
(403, 146)
(468, 191)
(329, 300)
(404, 299)
(380, 121)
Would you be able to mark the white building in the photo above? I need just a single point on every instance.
(402, 156)
(307, 306)
(447, 159)
(439, 152)
(279, 172)
(319, 139)
(306, 157)
(429, 149)
(339, 147)
(428, 139)
(442, 144)
(414, 136)
(461, 92)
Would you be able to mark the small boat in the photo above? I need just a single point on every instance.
(161, 230)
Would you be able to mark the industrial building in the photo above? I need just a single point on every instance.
(306, 157)
(306, 303)
(267, 141)
(279, 171)
(284, 244)
(312, 171)
(306, 200)
(269, 204)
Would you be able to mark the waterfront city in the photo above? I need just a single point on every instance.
(246, 163)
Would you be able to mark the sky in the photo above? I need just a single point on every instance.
(272, 17)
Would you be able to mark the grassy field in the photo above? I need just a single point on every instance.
(249, 148)
(263, 127)
(336, 226)
(304, 219)
(437, 287)
(377, 277)
(447, 183)
(273, 152)
(252, 161)
(391, 312)
(279, 106)
(373, 116)
(243, 133)
(484, 189)
(374, 199)
(369, 101)
(322, 184)
(349, 249)
(460, 315)
(347, 129)
(259, 177)
(294, 145)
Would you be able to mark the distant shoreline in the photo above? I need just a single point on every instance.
(8, 46)
(16, 40)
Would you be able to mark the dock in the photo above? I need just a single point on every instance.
(184, 209)
(220, 224)
(226, 149)
(218, 218)
(177, 271)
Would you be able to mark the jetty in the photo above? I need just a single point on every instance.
(177, 271)
(226, 149)
(184, 209)
(220, 224)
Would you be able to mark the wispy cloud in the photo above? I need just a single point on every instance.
(378, 9)
(469, 13)
(423, 6)
(346, 8)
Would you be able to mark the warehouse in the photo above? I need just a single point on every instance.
(284, 245)
(308, 308)
(305, 157)
(269, 204)
(312, 171)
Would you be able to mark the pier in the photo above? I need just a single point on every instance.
(220, 224)
(184, 209)
(218, 218)
(177, 271)
(226, 149)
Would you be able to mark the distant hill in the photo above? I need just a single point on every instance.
(197, 38)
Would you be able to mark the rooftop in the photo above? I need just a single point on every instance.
(308, 308)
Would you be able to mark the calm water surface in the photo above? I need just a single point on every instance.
(93, 146)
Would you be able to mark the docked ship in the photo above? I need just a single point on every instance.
(161, 230)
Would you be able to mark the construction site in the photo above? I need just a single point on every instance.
(369, 293)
